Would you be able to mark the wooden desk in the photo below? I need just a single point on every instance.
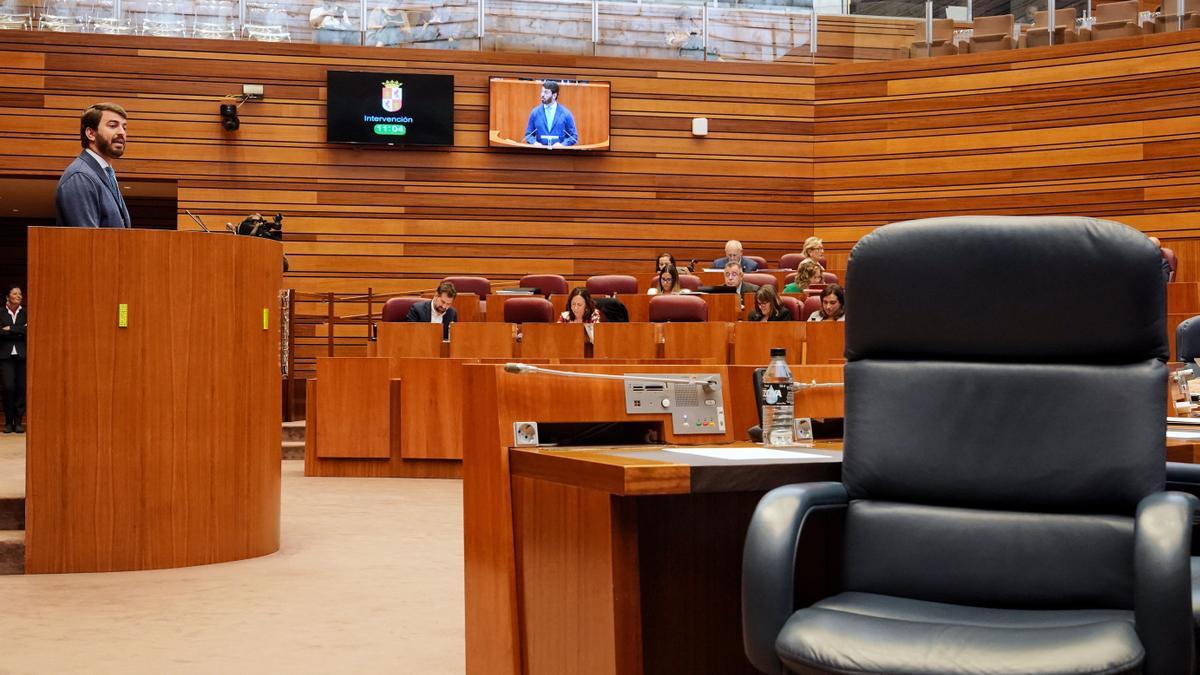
(629, 560)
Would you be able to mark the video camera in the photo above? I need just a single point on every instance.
(256, 226)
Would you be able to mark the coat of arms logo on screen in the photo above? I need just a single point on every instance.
(393, 95)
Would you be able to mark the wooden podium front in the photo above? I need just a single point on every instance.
(154, 399)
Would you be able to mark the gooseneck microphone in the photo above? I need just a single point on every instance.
(708, 382)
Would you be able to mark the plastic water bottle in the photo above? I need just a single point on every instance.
(778, 427)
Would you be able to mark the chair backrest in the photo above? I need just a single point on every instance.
(762, 262)
(829, 278)
(547, 284)
(528, 310)
(761, 279)
(689, 281)
(1002, 458)
(608, 284)
(477, 285)
(811, 304)
(665, 308)
(994, 25)
(794, 306)
(1127, 10)
(1063, 18)
(1187, 340)
(943, 30)
(790, 261)
(396, 309)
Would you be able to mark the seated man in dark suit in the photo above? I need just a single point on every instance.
(733, 253)
(734, 283)
(439, 310)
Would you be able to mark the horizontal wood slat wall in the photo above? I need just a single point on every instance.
(1105, 129)
(401, 219)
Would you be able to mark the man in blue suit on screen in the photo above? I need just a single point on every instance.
(551, 124)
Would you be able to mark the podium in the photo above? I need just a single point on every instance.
(154, 399)
(608, 560)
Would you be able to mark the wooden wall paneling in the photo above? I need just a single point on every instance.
(723, 306)
(354, 397)
(396, 340)
(825, 342)
(818, 403)
(638, 307)
(708, 339)
(482, 340)
(1183, 298)
(625, 341)
(752, 342)
(552, 340)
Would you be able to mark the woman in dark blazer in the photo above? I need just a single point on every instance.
(768, 306)
(13, 322)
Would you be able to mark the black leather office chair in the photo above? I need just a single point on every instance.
(1002, 504)
(1186, 478)
(1187, 342)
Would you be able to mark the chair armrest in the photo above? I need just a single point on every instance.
(1182, 474)
(1163, 581)
(769, 563)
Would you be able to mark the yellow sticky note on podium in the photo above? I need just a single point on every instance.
(266, 318)
(122, 316)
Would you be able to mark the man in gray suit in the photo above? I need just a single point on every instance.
(88, 194)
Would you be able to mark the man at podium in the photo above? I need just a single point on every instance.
(551, 124)
(88, 194)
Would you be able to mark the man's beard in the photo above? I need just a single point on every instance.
(106, 147)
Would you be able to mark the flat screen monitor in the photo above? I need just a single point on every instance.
(554, 115)
(390, 108)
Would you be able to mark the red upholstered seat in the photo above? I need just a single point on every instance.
(790, 261)
(689, 281)
(760, 279)
(528, 310)
(762, 262)
(477, 285)
(609, 284)
(678, 308)
(811, 304)
(395, 309)
(545, 283)
(789, 278)
(829, 277)
(793, 305)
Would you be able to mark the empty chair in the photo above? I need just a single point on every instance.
(266, 22)
(528, 310)
(612, 284)
(760, 279)
(15, 17)
(689, 282)
(987, 507)
(215, 20)
(811, 304)
(992, 34)
(1064, 29)
(396, 309)
(794, 306)
(59, 16)
(829, 277)
(163, 18)
(546, 284)
(1172, 19)
(941, 44)
(665, 308)
(477, 285)
(790, 261)
(1187, 342)
(761, 261)
(1115, 20)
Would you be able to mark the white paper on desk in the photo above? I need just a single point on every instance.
(1183, 435)
(744, 453)
(1193, 421)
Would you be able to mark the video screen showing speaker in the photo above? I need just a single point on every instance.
(390, 108)
(548, 114)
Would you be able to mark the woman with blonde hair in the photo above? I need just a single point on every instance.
(808, 273)
(814, 249)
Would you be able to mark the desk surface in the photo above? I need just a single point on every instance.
(652, 470)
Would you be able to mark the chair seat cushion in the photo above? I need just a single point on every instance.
(1196, 590)
(869, 633)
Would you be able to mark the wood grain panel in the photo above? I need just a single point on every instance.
(482, 340)
(398, 340)
(143, 450)
(552, 340)
(625, 341)
(752, 342)
(707, 340)
(355, 399)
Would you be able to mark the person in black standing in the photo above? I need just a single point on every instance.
(13, 322)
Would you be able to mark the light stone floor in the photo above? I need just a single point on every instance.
(368, 579)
